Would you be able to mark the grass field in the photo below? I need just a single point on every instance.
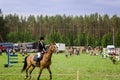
(82, 67)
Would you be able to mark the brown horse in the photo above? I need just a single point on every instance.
(44, 63)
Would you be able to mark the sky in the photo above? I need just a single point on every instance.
(54, 7)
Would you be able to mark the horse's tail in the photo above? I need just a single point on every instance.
(25, 64)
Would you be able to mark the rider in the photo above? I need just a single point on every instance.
(41, 49)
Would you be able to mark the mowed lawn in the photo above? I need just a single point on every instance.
(82, 67)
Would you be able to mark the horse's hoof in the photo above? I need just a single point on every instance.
(29, 78)
(25, 77)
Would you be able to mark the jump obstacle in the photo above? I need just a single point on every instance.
(14, 58)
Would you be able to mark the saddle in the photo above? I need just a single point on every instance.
(37, 60)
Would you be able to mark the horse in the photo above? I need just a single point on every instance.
(70, 50)
(44, 63)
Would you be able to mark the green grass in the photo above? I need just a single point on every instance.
(84, 67)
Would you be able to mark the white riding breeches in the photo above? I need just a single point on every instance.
(39, 54)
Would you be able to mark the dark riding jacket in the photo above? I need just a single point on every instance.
(41, 47)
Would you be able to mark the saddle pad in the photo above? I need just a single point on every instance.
(35, 58)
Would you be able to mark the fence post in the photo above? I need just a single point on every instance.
(8, 52)
(77, 74)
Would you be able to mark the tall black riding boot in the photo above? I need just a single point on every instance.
(37, 61)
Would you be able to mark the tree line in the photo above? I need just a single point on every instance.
(88, 30)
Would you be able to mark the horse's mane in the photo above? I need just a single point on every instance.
(47, 47)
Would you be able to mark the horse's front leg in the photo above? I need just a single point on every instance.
(39, 74)
(49, 70)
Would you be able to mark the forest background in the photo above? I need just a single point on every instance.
(84, 30)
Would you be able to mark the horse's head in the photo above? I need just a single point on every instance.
(53, 47)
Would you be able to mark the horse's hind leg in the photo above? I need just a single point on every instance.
(26, 76)
(33, 67)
